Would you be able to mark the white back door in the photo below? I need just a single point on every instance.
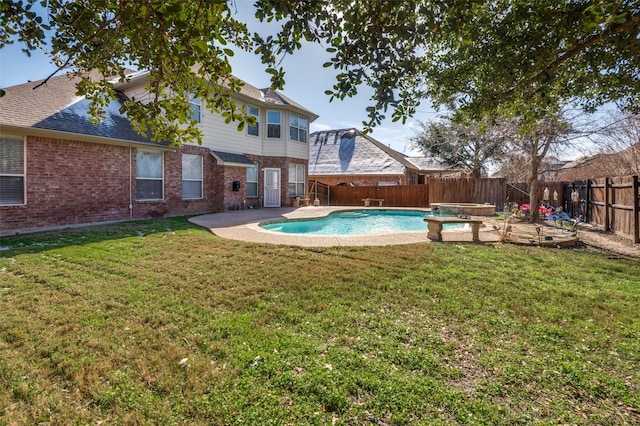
(271, 187)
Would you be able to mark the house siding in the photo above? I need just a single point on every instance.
(72, 183)
(221, 136)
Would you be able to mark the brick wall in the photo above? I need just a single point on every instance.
(173, 204)
(73, 183)
(283, 165)
(238, 200)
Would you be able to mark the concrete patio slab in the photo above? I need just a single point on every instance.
(244, 226)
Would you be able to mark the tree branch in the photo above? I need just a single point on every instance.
(610, 32)
(75, 52)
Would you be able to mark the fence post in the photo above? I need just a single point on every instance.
(606, 204)
(587, 202)
(636, 208)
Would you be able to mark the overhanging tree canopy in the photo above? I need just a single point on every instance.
(483, 59)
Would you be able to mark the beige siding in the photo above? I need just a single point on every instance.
(298, 150)
(219, 136)
(225, 137)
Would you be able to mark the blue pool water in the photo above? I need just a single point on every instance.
(354, 222)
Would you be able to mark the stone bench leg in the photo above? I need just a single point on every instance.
(435, 231)
(475, 231)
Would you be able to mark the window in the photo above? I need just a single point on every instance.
(191, 176)
(252, 180)
(298, 128)
(297, 177)
(149, 175)
(273, 124)
(254, 112)
(195, 108)
(11, 171)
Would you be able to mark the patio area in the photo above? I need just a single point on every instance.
(244, 226)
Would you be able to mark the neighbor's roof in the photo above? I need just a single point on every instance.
(55, 106)
(428, 164)
(348, 152)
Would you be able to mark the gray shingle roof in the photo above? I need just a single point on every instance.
(427, 163)
(347, 151)
(54, 106)
(272, 97)
(229, 157)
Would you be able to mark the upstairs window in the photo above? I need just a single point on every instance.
(252, 181)
(149, 175)
(254, 112)
(191, 176)
(298, 126)
(297, 177)
(12, 177)
(195, 105)
(273, 124)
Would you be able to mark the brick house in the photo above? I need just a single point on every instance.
(59, 170)
(347, 157)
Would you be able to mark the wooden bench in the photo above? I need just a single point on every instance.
(434, 226)
(367, 201)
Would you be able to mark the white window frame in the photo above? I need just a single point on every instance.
(296, 172)
(22, 175)
(255, 128)
(199, 179)
(148, 178)
(297, 128)
(255, 167)
(273, 123)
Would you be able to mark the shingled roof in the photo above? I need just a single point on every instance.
(349, 152)
(271, 97)
(54, 106)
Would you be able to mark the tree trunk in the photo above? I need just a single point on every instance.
(534, 165)
(534, 212)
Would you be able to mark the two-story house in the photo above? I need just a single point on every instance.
(57, 169)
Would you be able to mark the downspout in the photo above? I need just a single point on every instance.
(130, 185)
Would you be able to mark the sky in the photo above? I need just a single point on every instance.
(306, 82)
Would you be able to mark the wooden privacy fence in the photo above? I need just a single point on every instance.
(613, 204)
(610, 203)
(436, 190)
(468, 190)
(393, 196)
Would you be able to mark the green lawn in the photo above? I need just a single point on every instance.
(162, 323)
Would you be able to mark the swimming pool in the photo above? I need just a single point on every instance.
(354, 222)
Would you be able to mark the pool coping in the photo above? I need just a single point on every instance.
(244, 226)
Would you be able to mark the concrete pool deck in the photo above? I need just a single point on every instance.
(244, 226)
